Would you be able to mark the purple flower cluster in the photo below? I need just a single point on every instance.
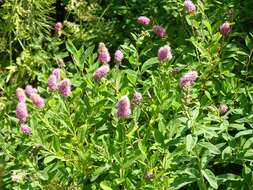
(159, 31)
(32, 93)
(53, 79)
(164, 53)
(137, 97)
(189, 6)
(22, 112)
(188, 79)
(29, 90)
(25, 129)
(143, 20)
(58, 26)
(37, 100)
(124, 105)
(65, 87)
(103, 53)
(54, 83)
(223, 109)
(225, 28)
(20, 94)
(118, 56)
(21, 109)
(101, 72)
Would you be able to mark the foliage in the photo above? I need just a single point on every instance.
(177, 138)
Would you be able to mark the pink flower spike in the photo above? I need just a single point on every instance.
(20, 94)
(57, 73)
(159, 31)
(123, 108)
(58, 26)
(101, 72)
(52, 82)
(37, 101)
(223, 109)
(137, 98)
(25, 129)
(21, 112)
(225, 28)
(164, 53)
(65, 87)
(189, 6)
(188, 79)
(29, 90)
(143, 20)
(118, 56)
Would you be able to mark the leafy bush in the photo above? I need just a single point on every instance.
(175, 113)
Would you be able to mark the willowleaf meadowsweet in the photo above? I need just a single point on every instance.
(143, 20)
(22, 112)
(188, 79)
(164, 53)
(101, 72)
(20, 94)
(65, 87)
(159, 31)
(123, 107)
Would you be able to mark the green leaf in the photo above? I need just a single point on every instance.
(228, 177)
(99, 171)
(243, 133)
(248, 42)
(210, 177)
(149, 63)
(208, 26)
(248, 143)
(190, 142)
(212, 148)
(71, 47)
(183, 180)
(248, 155)
(49, 159)
(56, 143)
(131, 75)
(105, 185)
(132, 158)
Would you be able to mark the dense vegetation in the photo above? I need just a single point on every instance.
(126, 94)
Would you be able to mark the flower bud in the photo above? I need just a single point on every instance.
(57, 73)
(223, 109)
(25, 129)
(58, 26)
(137, 98)
(60, 62)
(224, 28)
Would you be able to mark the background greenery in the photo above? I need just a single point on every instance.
(77, 143)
